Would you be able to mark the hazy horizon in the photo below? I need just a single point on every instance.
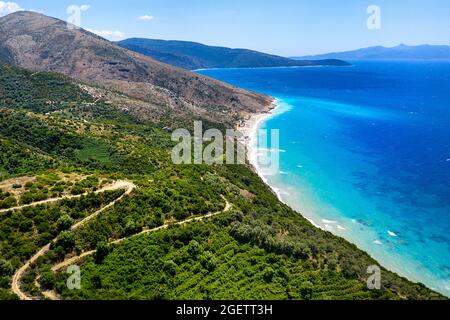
(286, 28)
(314, 54)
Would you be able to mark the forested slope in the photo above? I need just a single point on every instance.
(67, 141)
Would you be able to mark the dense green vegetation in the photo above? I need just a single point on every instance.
(17, 160)
(203, 261)
(40, 92)
(260, 250)
(53, 137)
(171, 195)
(24, 232)
(7, 200)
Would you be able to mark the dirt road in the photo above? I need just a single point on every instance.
(17, 277)
(72, 261)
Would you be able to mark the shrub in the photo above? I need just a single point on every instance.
(6, 268)
(306, 290)
(64, 222)
(77, 190)
(208, 260)
(170, 267)
(102, 252)
(194, 248)
(268, 274)
(47, 279)
(66, 240)
(8, 202)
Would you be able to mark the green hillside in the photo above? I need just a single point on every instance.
(254, 247)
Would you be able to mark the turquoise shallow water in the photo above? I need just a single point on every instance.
(367, 156)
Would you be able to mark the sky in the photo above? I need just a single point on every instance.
(283, 27)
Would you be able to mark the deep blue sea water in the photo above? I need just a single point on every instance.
(367, 156)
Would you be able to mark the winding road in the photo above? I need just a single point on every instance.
(71, 261)
(17, 277)
(129, 187)
(67, 263)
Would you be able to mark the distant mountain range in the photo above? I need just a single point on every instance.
(401, 52)
(192, 55)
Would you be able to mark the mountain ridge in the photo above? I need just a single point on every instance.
(193, 55)
(400, 52)
(41, 43)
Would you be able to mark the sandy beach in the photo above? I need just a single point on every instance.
(249, 129)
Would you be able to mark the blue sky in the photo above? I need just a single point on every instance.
(284, 27)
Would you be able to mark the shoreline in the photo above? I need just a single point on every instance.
(249, 129)
(276, 67)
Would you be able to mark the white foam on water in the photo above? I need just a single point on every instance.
(281, 192)
(261, 150)
(392, 234)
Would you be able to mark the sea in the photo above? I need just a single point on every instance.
(365, 153)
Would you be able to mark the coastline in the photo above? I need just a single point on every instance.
(382, 239)
(249, 129)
